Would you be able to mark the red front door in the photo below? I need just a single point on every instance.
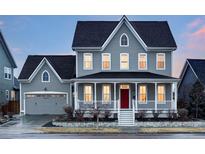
(124, 98)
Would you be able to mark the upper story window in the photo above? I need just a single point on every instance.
(106, 93)
(142, 61)
(160, 61)
(7, 73)
(124, 40)
(124, 61)
(106, 61)
(88, 94)
(161, 93)
(142, 94)
(45, 77)
(87, 61)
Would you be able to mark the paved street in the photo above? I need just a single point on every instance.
(115, 136)
(25, 128)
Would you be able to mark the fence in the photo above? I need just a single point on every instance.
(13, 107)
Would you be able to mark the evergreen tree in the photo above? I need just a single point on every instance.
(197, 100)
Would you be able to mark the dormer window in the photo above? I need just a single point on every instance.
(124, 40)
(45, 77)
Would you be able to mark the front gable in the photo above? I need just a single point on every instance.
(129, 29)
(41, 65)
(37, 78)
(114, 43)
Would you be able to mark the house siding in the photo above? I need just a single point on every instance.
(4, 83)
(36, 85)
(133, 49)
(186, 84)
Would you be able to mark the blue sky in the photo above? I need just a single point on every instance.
(30, 35)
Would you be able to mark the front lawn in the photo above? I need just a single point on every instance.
(78, 130)
(171, 130)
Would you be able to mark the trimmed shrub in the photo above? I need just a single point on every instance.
(107, 114)
(156, 114)
(183, 114)
(141, 114)
(69, 112)
(79, 115)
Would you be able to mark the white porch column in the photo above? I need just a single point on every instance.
(75, 96)
(115, 102)
(136, 96)
(95, 101)
(155, 98)
(175, 96)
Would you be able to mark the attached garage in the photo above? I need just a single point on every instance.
(39, 103)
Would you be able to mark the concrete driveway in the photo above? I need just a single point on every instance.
(25, 124)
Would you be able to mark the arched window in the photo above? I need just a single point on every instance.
(124, 40)
(45, 76)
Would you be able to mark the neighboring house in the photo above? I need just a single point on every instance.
(121, 66)
(193, 70)
(7, 66)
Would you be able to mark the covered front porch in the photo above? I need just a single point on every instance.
(112, 96)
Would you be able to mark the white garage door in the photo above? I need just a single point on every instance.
(45, 103)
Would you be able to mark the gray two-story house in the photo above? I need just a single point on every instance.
(121, 66)
(7, 79)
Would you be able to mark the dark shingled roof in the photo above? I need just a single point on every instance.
(64, 65)
(128, 75)
(198, 66)
(95, 33)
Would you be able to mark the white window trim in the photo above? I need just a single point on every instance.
(164, 102)
(109, 59)
(164, 61)
(48, 76)
(85, 102)
(105, 102)
(4, 73)
(7, 92)
(141, 102)
(91, 54)
(139, 54)
(127, 40)
(128, 62)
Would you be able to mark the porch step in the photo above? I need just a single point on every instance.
(126, 118)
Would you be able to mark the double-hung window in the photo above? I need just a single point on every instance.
(106, 61)
(142, 94)
(87, 61)
(142, 61)
(124, 61)
(7, 73)
(7, 94)
(88, 94)
(161, 93)
(106, 93)
(160, 61)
